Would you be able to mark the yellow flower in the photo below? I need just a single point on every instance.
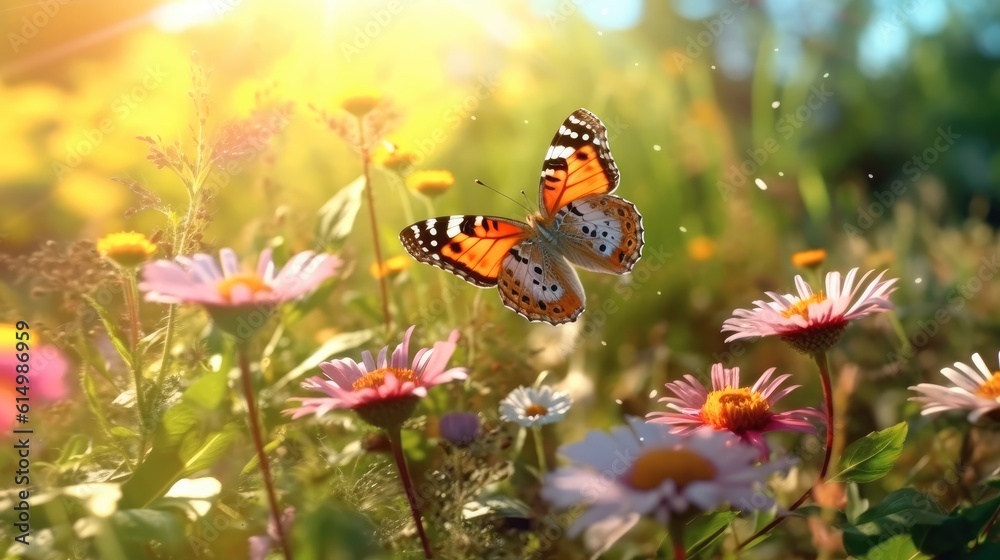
(701, 248)
(126, 249)
(399, 161)
(809, 259)
(361, 105)
(431, 182)
(391, 268)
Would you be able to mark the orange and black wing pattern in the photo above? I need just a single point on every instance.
(578, 163)
(470, 247)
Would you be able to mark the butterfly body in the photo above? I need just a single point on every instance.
(531, 263)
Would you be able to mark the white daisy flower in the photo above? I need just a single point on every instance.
(643, 469)
(530, 407)
(976, 391)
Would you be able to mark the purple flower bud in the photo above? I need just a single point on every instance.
(460, 428)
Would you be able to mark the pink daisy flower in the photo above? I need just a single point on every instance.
(384, 390)
(811, 322)
(643, 469)
(744, 411)
(976, 391)
(228, 293)
(199, 279)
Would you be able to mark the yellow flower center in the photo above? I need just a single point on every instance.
(249, 280)
(990, 389)
(809, 259)
(126, 248)
(375, 379)
(801, 307)
(430, 182)
(654, 467)
(736, 410)
(534, 410)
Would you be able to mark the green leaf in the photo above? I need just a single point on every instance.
(75, 447)
(899, 547)
(954, 534)
(704, 530)
(336, 216)
(335, 345)
(114, 333)
(334, 533)
(897, 514)
(148, 525)
(872, 456)
(211, 448)
(208, 390)
(176, 422)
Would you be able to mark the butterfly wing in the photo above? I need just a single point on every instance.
(578, 163)
(539, 284)
(470, 247)
(600, 232)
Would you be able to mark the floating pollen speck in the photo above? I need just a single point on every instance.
(775, 104)
(760, 184)
(656, 147)
(781, 174)
(827, 75)
(870, 176)
(683, 229)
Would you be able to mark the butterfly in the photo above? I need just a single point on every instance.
(578, 223)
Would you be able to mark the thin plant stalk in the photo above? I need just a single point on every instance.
(676, 530)
(536, 434)
(132, 302)
(366, 170)
(396, 442)
(258, 441)
(823, 363)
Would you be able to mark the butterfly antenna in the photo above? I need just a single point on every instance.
(482, 184)
(527, 202)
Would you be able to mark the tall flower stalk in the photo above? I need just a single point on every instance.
(240, 303)
(384, 392)
(256, 432)
(811, 322)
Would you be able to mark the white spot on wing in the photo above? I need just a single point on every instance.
(454, 226)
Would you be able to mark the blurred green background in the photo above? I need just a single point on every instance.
(744, 131)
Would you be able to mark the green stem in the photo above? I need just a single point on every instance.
(132, 302)
(258, 441)
(366, 167)
(536, 434)
(823, 362)
(396, 442)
